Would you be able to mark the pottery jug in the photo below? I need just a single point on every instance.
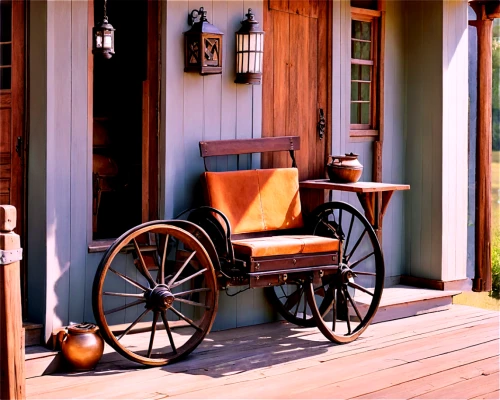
(82, 346)
(344, 169)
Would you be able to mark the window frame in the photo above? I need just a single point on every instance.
(368, 132)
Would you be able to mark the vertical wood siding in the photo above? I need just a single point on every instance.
(436, 156)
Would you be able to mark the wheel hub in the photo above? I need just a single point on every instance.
(160, 298)
(346, 274)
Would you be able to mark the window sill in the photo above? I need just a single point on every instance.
(364, 135)
(100, 246)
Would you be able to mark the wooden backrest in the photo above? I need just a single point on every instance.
(256, 200)
(249, 146)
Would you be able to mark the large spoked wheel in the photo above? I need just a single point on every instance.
(358, 284)
(155, 294)
(290, 301)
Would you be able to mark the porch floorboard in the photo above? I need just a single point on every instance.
(451, 354)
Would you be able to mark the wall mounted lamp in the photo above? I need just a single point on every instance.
(103, 37)
(249, 51)
(202, 45)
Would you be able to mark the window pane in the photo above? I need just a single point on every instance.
(365, 51)
(365, 113)
(4, 78)
(366, 30)
(356, 29)
(366, 72)
(5, 21)
(356, 49)
(355, 113)
(354, 91)
(355, 72)
(5, 54)
(365, 91)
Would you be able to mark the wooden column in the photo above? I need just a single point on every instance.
(12, 378)
(484, 25)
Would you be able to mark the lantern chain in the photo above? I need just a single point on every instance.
(105, 13)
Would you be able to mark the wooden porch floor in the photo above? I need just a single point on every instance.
(449, 354)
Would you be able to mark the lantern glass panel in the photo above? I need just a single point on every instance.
(107, 39)
(98, 40)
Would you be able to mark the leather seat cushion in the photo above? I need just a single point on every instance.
(285, 245)
(256, 200)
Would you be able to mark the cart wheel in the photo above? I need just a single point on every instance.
(290, 302)
(357, 286)
(155, 294)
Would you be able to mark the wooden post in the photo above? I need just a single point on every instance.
(484, 25)
(12, 378)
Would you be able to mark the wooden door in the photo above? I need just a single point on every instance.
(12, 138)
(295, 84)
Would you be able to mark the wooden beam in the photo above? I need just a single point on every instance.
(482, 279)
(12, 377)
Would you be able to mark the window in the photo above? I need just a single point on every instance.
(364, 72)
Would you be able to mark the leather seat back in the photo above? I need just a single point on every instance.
(256, 200)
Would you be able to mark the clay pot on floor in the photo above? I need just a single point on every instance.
(82, 346)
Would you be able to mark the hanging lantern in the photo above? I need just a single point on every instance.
(249, 51)
(104, 37)
(203, 45)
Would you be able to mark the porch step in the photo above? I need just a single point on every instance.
(402, 301)
(32, 334)
(41, 361)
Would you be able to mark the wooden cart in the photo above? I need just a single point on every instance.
(156, 291)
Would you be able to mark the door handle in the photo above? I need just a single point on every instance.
(321, 124)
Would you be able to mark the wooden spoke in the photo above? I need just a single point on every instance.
(347, 257)
(189, 321)
(135, 295)
(187, 292)
(293, 299)
(365, 273)
(334, 308)
(304, 315)
(116, 309)
(134, 323)
(126, 278)
(353, 304)
(354, 264)
(348, 318)
(359, 287)
(141, 265)
(193, 303)
(188, 260)
(349, 233)
(201, 271)
(161, 272)
(153, 331)
(169, 332)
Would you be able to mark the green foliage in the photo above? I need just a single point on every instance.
(495, 266)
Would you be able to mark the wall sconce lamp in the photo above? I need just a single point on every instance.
(249, 51)
(202, 45)
(103, 37)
